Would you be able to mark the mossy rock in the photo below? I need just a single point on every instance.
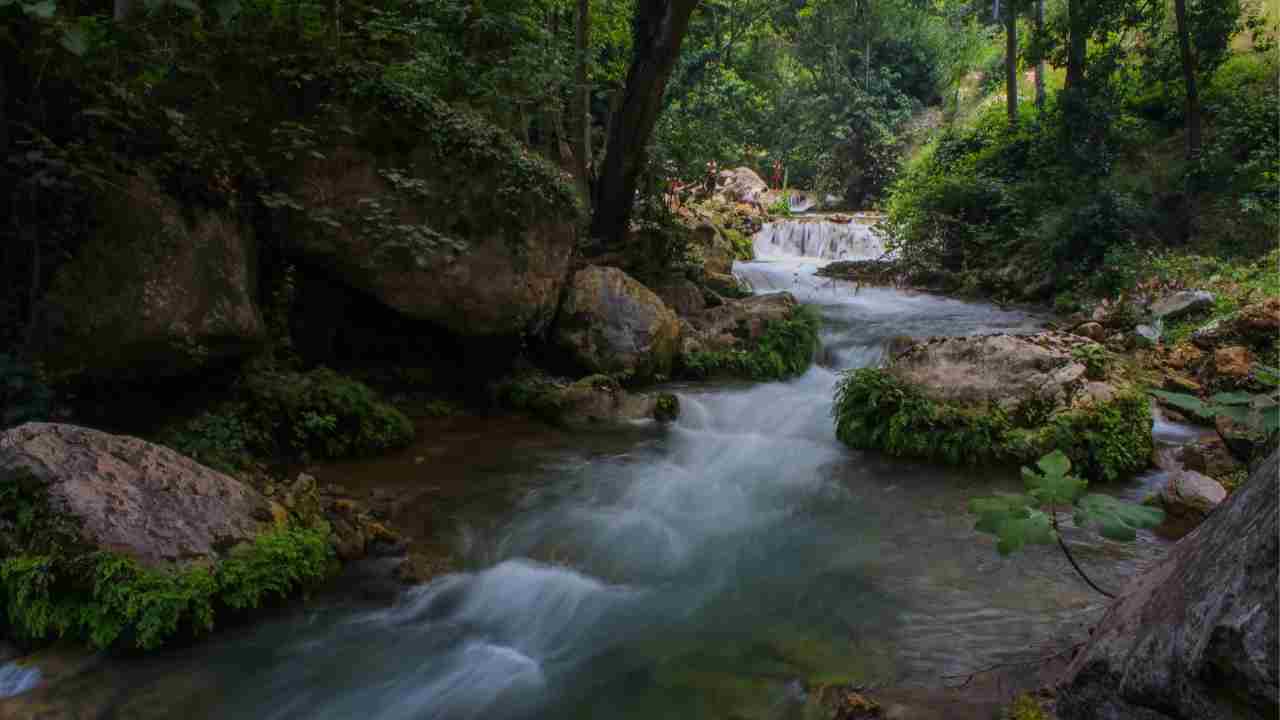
(773, 349)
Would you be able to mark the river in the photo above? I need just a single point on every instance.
(714, 568)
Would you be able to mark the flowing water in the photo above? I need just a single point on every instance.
(714, 568)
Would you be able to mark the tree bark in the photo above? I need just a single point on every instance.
(121, 10)
(582, 103)
(1040, 62)
(1189, 73)
(1011, 62)
(659, 28)
(1077, 44)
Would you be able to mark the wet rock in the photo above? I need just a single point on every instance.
(1195, 636)
(725, 284)
(591, 401)
(1232, 362)
(1092, 330)
(1242, 440)
(682, 296)
(134, 497)
(1190, 494)
(1183, 302)
(610, 323)
(736, 322)
(1146, 336)
(158, 290)
(1209, 456)
(419, 568)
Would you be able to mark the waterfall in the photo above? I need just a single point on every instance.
(818, 238)
(15, 679)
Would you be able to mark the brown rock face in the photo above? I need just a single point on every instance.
(610, 323)
(1232, 362)
(682, 296)
(1260, 320)
(153, 293)
(133, 497)
(458, 268)
(1092, 330)
(726, 326)
(1003, 368)
(1195, 636)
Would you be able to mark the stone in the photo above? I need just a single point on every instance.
(1209, 335)
(598, 400)
(713, 249)
(682, 296)
(1194, 637)
(1209, 456)
(735, 323)
(1240, 439)
(741, 185)
(1259, 321)
(1183, 356)
(1188, 493)
(419, 568)
(725, 284)
(1146, 335)
(1003, 368)
(1183, 302)
(610, 323)
(463, 271)
(1092, 330)
(1232, 362)
(1180, 383)
(158, 290)
(136, 498)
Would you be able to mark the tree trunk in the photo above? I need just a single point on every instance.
(1077, 44)
(1040, 62)
(659, 28)
(1189, 73)
(582, 103)
(1011, 62)
(121, 10)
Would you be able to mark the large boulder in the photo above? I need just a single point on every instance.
(713, 249)
(1195, 636)
(593, 401)
(1183, 302)
(609, 323)
(736, 323)
(1189, 494)
(741, 185)
(1005, 369)
(157, 291)
(1256, 324)
(133, 497)
(683, 296)
(434, 249)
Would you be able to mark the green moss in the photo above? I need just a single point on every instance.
(785, 349)
(53, 586)
(288, 414)
(1025, 707)
(743, 248)
(667, 407)
(876, 411)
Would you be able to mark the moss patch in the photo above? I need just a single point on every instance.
(53, 586)
(876, 411)
(785, 349)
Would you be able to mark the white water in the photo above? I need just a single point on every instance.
(818, 239)
(15, 678)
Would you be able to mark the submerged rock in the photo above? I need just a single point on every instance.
(133, 497)
(1195, 636)
(610, 323)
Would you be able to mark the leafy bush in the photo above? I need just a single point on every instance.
(873, 410)
(288, 414)
(53, 586)
(785, 349)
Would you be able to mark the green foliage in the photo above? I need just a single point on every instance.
(873, 410)
(785, 349)
(1095, 359)
(667, 407)
(743, 247)
(1025, 707)
(54, 586)
(1018, 520)
(23, 394)
(782, 206)
(288, 414)
(1260, 411)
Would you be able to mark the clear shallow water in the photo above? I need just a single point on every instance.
(710, 569)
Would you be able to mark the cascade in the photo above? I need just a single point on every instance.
(818, 238)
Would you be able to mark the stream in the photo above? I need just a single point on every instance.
(713, 568)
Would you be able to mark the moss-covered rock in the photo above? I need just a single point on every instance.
(595, 400)
(109, 540)
(996, 399)
(766, 337)
(158, 290)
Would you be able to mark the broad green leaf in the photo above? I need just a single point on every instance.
(1116, 519)
(1270, 419)
(75, 41)
(1055, 463)
(1183, 401)
(1232, 398)
(228, 10)
(42, 10)
(1013, 520)
(1267, 374)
